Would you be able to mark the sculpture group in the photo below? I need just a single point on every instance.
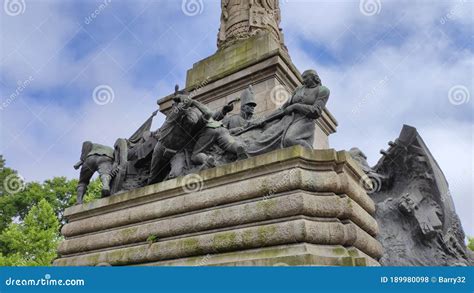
(194, 138)
(414, 210)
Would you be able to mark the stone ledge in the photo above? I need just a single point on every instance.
(302, 254)
(235, 58)
(272, 162)
(294, 204)
(288, 232)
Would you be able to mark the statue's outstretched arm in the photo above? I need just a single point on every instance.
(203, 108)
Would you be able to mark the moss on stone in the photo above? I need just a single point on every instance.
(120, 255)
(224, 240)
(247, 236)
(266, 205)
(339, 251)
(232, 59)
(127, 233)
(353, 252)
(264, 232)
(347, 261)
(191, 244)
(93, 259)
(361, 261)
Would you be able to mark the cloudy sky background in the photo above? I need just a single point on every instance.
(387, 63)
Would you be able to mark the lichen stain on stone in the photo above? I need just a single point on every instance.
(339, 251)
(225, 240)
(191, 245)
(264, 232)
(266, 206)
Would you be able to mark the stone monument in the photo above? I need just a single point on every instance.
(259, 188)
(257, 184)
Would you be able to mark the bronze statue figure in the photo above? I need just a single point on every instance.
(191, 127)
(94, 158)
(294, 123)
(238, 122)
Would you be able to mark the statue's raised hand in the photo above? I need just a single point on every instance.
(228, 108)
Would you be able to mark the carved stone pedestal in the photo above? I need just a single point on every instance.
(292, 206)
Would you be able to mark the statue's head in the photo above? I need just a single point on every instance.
(247, 102)
(86, 148)
(180, 96)
(87, 145)
(311, 78)
(355, 151)
(248, 109)
(192, 117)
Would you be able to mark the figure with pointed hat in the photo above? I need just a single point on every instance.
(237, 122)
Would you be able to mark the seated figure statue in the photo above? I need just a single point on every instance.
(294, 123)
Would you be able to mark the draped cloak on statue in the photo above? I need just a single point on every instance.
(293, 128)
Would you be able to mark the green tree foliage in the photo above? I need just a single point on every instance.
(59, 192)
(32, 242)
(470, 244)
(21, 207)
(7, 206)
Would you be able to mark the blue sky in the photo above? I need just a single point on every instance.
(387, 63)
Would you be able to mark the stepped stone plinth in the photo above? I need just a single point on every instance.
(293, 206)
